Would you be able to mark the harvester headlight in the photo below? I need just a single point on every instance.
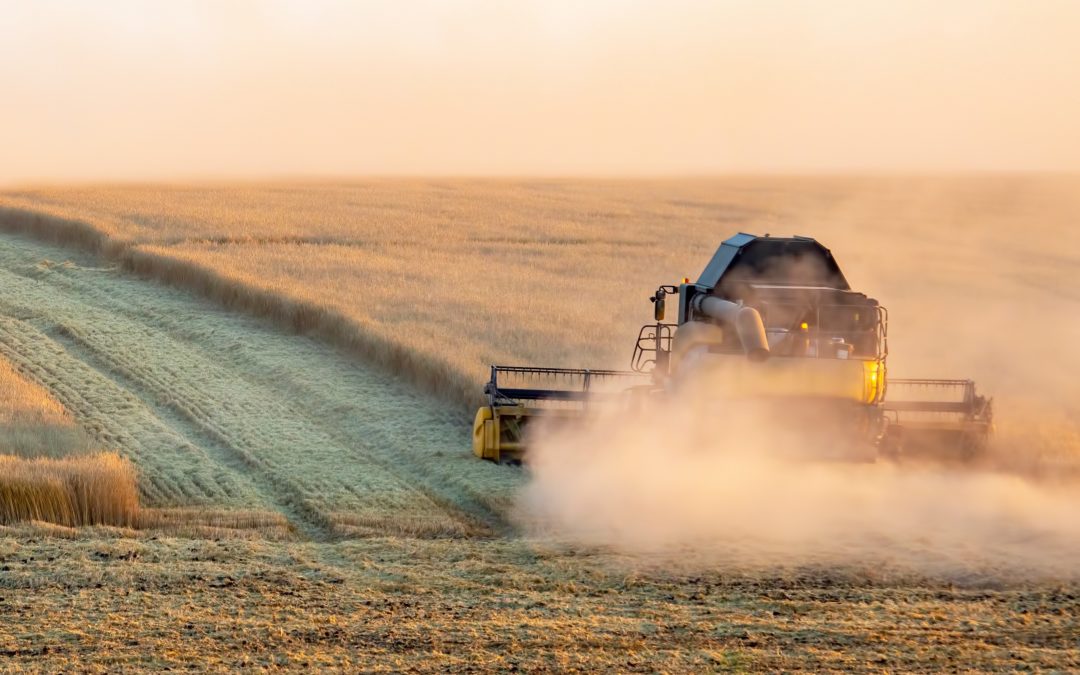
(804, 326)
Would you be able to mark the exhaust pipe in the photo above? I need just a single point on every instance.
(746, 320)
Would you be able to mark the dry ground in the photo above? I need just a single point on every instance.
(315, 508)
(100, 602)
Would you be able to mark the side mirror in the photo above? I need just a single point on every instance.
(658, 305)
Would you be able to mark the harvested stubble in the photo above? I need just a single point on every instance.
(42, 478)
(211, 523)
(88, 490)
(218, 413)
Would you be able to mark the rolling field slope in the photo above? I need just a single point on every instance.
(220, 413)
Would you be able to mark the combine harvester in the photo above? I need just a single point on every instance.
(771, 320)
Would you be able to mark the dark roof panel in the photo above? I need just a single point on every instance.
(792, 260)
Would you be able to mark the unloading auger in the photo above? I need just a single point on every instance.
(772, 320)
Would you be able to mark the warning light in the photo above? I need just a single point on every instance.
(686, 280)
(804, 326)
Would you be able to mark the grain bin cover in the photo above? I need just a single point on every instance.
(796, 260)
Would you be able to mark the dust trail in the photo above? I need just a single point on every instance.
(718, 483)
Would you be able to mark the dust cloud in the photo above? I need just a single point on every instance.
(979, 279)
(711, 483)
(717, 481)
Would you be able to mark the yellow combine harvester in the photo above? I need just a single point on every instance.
(772, 320)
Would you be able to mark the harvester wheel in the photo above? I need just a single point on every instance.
(891, 447)
(972, 447)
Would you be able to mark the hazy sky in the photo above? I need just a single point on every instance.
(146, 89)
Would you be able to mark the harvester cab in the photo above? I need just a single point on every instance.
(772, 320)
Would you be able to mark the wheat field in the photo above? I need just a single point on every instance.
(48, 471)
(289, 370)
(438, 279)
(32, 421)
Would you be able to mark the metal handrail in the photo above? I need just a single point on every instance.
(661, 337)
(974, 407)
(511, 394)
